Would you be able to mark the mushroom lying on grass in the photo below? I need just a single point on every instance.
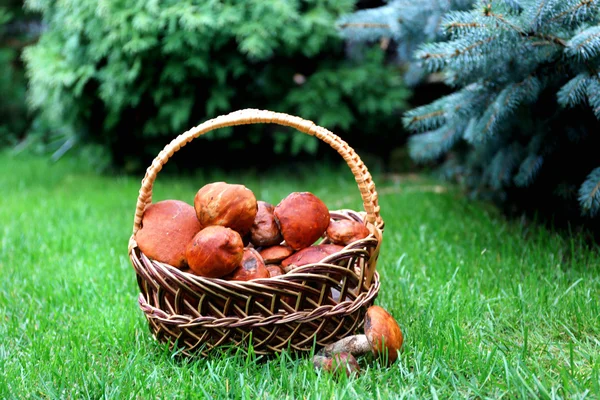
(382, 336)
(337, 363)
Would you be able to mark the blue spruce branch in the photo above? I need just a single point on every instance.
(502, 165)
(430, 145)
(537, 13)
(589, 193)
(528, 170)
(585, 45)
(453, 107)
(514, 6)
(408, 22)
(544, 15)
(459, 23)
(593, 93)
(575, 11)
(438, 55)
(574, 91)
(506, 103)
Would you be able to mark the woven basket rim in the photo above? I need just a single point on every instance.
(296, 272)
(251, 283)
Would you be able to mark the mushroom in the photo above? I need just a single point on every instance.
(382, 336)
(231, 205)
(309, 255)
(265, 228)
(303, 218)
(251, 267)
(346, 231)
(275, 254)
(274, 270)
(337, 363)
(167, 227)
(215, 251)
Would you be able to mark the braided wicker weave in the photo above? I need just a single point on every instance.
(320, 302)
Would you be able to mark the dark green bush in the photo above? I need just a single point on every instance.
(130, 76)
(15, 34)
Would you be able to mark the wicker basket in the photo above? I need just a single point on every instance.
(293, 311)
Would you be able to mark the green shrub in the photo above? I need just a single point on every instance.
(14, 119)
(131, 76)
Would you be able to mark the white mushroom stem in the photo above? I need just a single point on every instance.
(356, 345)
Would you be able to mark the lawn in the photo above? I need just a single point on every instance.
(489, 308)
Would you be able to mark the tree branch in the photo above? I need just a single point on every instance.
(457, 52)
(582, 3)
(362, 25)
(432, 114)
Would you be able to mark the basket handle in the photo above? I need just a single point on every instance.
(254, 116)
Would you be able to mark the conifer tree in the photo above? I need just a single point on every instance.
(525, 76)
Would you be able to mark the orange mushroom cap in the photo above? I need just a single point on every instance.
(383, 333)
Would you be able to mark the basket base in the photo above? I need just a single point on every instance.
(297, 332)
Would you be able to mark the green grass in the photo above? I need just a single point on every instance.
(489, 308)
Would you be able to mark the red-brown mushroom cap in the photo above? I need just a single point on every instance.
(226, 204)
(215, 251)
(346, 231)
(251, 267)
(303, 218)
(265, 229)
(275, 254)
(310, 255)
(167, 228)
(383, 333)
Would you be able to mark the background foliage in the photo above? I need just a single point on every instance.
(17, 30)
(130, 76)
(520, 121)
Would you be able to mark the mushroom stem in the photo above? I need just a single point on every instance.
(356, 345)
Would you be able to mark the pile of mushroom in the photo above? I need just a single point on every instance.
(382, 337)
(229, 234)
